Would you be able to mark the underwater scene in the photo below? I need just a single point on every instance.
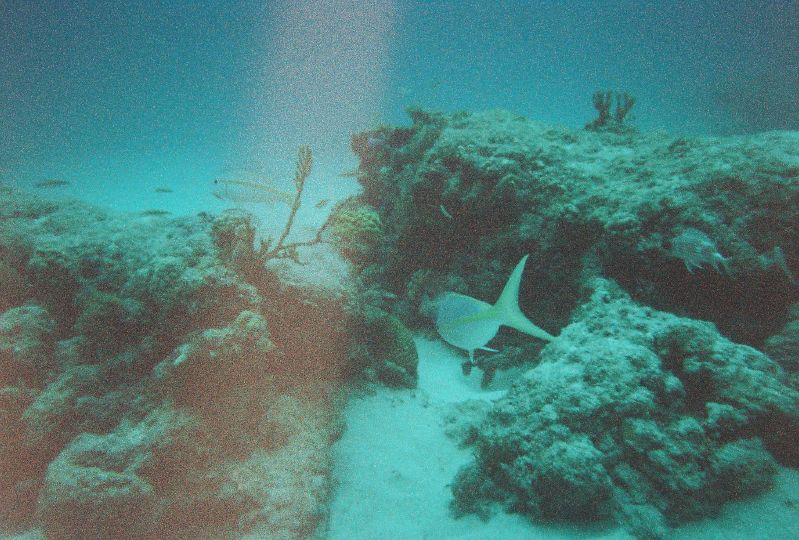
(395, 269)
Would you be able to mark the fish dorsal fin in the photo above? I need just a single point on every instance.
(507, 310)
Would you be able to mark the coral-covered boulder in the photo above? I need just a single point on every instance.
(308, 310)
(27, 342)
(113, 485)
(149, 390)
(635, 414)
(383, 348)
(86, 489)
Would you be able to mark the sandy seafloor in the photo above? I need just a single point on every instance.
(394, 464)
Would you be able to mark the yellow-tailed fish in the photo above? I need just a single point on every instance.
(469, 323)
(250, 192)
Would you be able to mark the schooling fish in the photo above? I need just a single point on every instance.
(469, 323)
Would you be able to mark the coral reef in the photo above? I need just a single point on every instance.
(637, 415)
(582, 203)
(158, 380)
(175, 377)
(637, 412)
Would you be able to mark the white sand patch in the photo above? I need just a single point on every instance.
(772, 516)
(394, 464)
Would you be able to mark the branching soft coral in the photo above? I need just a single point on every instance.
(354, 230)
(281, 249)
(248, 191)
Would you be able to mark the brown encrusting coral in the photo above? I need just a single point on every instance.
(157, 380)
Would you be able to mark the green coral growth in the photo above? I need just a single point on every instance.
(383, 349)
(356, 232)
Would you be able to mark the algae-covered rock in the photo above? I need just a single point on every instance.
(54, 283)
(783, 346)
(320, 275)
(636, 414)
(234, 236)
(113, 484)
(12, 286)
(152, 387)
(308, 313)
(85, 490)
(212, 365)
(458, 193)
(571, 470)
(742, 468)
(23, 465)
(111, 321)
(384, 349)
(78, 400)
(27, 342)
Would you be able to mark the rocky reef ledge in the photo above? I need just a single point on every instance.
(667, 268)
(154, 384)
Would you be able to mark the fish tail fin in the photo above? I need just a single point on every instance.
(521, 323)
(507, 307)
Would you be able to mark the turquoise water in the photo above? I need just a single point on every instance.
(118, 98)
(309, 391)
